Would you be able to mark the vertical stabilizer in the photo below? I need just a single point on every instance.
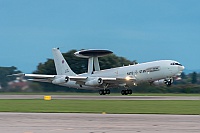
(62, 68)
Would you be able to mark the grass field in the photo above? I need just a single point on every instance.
(99, 106)
(95, 94)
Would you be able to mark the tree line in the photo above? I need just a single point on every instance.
(189, 83)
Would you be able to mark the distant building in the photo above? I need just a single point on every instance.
(19, 83)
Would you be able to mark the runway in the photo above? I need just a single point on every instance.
(107, 97)
(97, 123)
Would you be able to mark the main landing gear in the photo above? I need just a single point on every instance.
(107, 91)
(126, 92)
(104, 91)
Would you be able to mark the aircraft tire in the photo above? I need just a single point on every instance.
(168, 84)
(126, 92)
(101, 92)
(123, 92)
(130, 91)
(104, 92)
(107, 91)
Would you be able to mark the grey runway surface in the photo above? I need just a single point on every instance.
(97, 123)
(107, 97)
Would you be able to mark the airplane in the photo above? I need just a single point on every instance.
(159, 72)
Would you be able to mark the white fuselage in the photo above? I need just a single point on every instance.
(144, 72)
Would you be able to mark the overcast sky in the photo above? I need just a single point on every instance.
(142, 30)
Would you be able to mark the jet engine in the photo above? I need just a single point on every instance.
(60, 80)
(94, 82)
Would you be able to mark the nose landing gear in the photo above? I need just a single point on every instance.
(168, 82)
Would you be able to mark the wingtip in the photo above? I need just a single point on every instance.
(18, 74)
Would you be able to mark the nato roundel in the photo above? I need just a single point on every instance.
(92, 53)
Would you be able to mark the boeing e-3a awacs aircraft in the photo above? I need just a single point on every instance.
(155, 72)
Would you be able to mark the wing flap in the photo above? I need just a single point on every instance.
(41, 80)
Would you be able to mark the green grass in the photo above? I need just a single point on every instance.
(99, 106)
(95, 94)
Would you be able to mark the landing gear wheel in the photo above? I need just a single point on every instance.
(126, 92)
(168, 82)
(101, 92)
(104, 92)
(130, 92)
(107, 91)
(123, 92)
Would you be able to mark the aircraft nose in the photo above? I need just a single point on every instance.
(181, 68)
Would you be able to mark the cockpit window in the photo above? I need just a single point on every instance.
(176, 63)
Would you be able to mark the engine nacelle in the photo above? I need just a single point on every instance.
(94, 82)
(60, 80)
(159, 82)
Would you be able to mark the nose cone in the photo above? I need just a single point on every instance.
(181, 68)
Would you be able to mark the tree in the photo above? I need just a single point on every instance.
(183, 76)
(194, 78)
(4, 72)
(134, 62)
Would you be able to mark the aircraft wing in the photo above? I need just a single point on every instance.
(102, 80)
(36, 77)
(33, 75)
(50, 78)
(119, 80)
(82, 80)
(39, 76)
(108, 79)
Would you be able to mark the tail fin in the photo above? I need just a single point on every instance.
(62, 68)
